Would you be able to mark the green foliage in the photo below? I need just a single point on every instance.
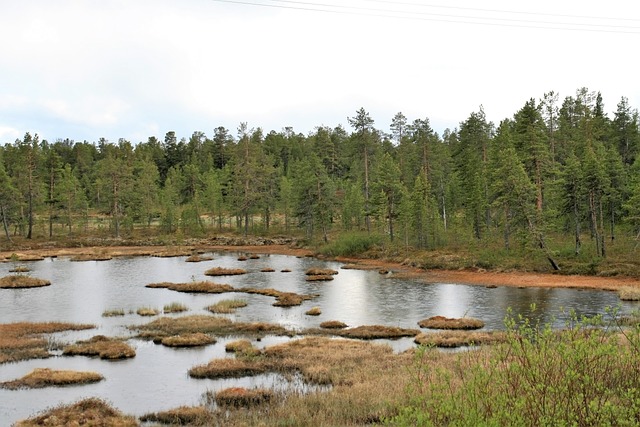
(352, 243)
(587, 374)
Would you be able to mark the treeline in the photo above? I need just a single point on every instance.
(554, 167)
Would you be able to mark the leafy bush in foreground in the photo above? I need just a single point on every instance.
(585, 375)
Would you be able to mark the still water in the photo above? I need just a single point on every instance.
(156, 379)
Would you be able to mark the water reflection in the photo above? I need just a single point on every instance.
(156, 379)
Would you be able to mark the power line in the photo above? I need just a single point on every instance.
(445, 18)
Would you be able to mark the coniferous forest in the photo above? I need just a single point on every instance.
(560, 179)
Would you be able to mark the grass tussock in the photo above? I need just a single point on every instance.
(441, 322)
(173, 252)
(147, 311)
(283, 299)
(115, 312)
(194, 287)
(184, 415)
(196, 339)
(242, 348)
(26, 257)
(91, 257)
(19, 281)
(174, 307)
(629, 293)
(319, 278)
(320, 272)
(368, 332)
(285, 270)
(166, 326)
(227, 306)
(229, 368)
(102, 347)
(314, 311)
(220, 271)
(333, 324)
(20, 269)
(23, 341)
(254, 256)
(242, 258)
(452, 339)
(45, 377)
(90, 412)
(267, 270)
(240, 397)
(198, 258)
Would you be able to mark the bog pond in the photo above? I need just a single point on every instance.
(156, 378)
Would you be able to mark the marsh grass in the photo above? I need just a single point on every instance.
(91, 257)
(45, 377)
(90, 412)
(441, 322)
(319, 278)
(267, 270)
(113, 312)
(23, 341)
(314, 311)
(220, 271)
(172, 252)
(196, 339)
(242, 258)
(242, 348)
(240, 397)
(184, 415)
(629, 293)
(167, 326)
(26, 257)
(452, 339)
(283, 299)
(198, 258)
(229, 368)
(174, 307)
(320, 272)
(227, 306)
(102, 347)
(20, 281)
(194, 287)
(285, 270)
(333, 324)
(20, 269)
(147, 311)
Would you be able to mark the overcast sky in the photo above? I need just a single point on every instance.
(138, 68)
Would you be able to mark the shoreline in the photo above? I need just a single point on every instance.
(466, 277)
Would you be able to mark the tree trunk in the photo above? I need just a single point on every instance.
(5, 225)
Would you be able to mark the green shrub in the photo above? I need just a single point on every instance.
(349, 244)
(587, 374)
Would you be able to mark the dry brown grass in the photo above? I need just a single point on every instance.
(368, 332)
(629, 293)
(101, 346)
(20, 269)
(242, 258)
(166, 326)
(184, 415)
(19, 281)
(450, 339)
(198, 258)
(441, 322)
(87, 412)
(147, 311)
(175, 307)
(25, 257)
(285, 270)
(314, 311)
(229, 368)
(319, 278)
(220, 271)
(227, 306)
(113, 312)
(240, 397)
(91, 257)
(267, 270)
(22, 341)
(254, 256)
(333, 324)
(45, 377)
(320, 272)
(194, 287)
(172, 252)
(242, 348)
(196, 339)
(283, 299)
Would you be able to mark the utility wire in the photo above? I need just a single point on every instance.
(426, 16)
